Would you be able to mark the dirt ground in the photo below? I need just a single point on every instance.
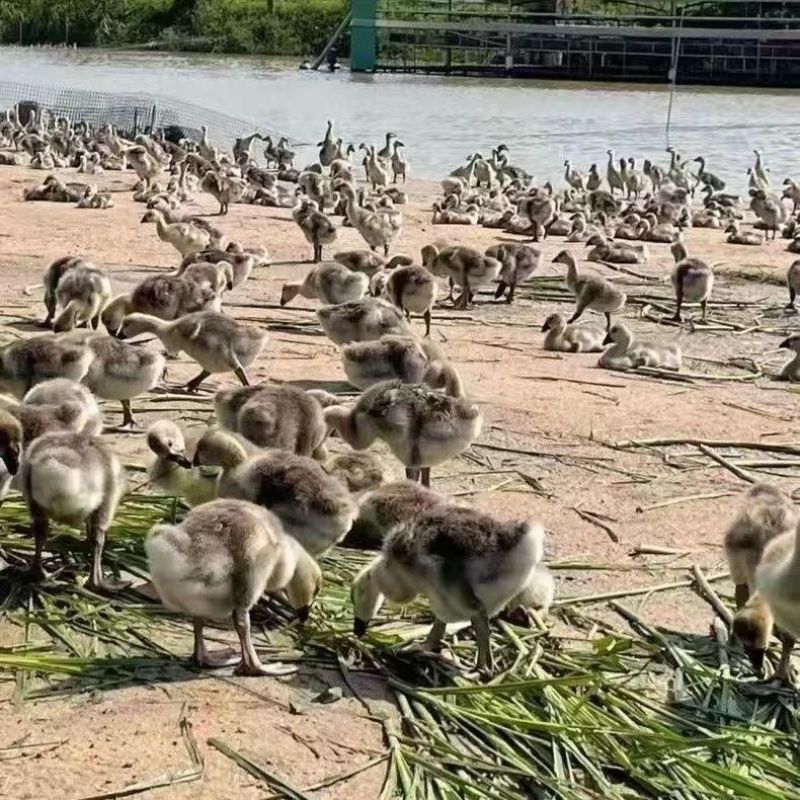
(555, 415)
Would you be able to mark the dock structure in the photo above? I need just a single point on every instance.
(549, 39)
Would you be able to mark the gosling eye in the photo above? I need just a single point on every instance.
(169, 443)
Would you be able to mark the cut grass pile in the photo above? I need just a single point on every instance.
(587, 710)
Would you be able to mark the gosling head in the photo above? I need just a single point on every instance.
(166, 440)
(618, 333)
(216, 448)
(303, 588)
(10, 441)
(150, 216)
(367, 596)
(226, 272)
(752, 625)
(555, 322)
(678, 250)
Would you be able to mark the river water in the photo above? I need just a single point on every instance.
(443, 119)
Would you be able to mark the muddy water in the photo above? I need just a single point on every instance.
(443, 119)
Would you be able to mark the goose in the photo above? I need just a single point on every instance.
(377, 229)
(365, 261)
(518, 262)
(613, 177)
(164, 296)
(412, 289)
(328, 151)
(377, 168)
(362, 320)
(760, 170)
(63, 390)
(316, 226)
(793, 283)
(81, 293)
(358, 471)
(218, 562)
(636, 182)
(626, 352)
(422, 427)
(465, 563)
(565, 338)
(399, 163)
(120, 371)
(764, 514)
(183, 236)
(591, 291)
(574, 178)
(692, 280)
(171, 470)
(218, 343)
(25, 363)
(313, 507)
(791, 370)
(67, 477)
(276, 416)
(770, 211)
(331, 283)
(402, 358)
(735, 236)
(708, 178)
(593, 179)
(464, 266)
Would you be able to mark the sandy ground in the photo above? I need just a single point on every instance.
(561, 410)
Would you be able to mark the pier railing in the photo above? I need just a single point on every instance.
(480, 37)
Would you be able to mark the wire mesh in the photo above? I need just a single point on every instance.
(132, 113)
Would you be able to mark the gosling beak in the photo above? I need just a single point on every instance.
(179, 459)
(787, 343)
(283, 301)
(229, 286)
(303, 613)
(545, 327)
(756, 659)
(359, 627)
(196, 460)
(608, 339)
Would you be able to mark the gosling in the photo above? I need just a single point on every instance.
(331, 283)
(793, 284)
(692, 280)
(423, 428)
(314, 507)
(120, 371)
(402, 358)
(362, 320)
(218, 343)
(626, 352)
(71, 478)
(519, 262)
(764, 514)
(564, 338)
(171, 469)
(488, 563)
(591, 291)
(274, 415)
(216, 565)
(413, 289)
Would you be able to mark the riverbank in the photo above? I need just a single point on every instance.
(274, 27)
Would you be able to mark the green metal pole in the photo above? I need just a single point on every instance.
(363, 39)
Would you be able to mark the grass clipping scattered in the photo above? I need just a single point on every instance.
(594, 711)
